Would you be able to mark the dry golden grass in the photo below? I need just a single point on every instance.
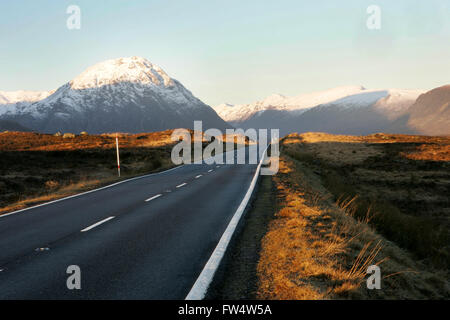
(355, 149)
(31, 141)
(316, 249)
(406, 176)
(36, 168)
(57, 192)
(430, 152)
(314, 137)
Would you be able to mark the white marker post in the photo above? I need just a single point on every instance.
(118, 160)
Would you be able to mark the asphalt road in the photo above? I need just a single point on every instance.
(125, 246)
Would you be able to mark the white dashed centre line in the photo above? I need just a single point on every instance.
(154, 197)
(217, 166)
(210, 170)
(97, 224)
(198, 176)
(181, 185)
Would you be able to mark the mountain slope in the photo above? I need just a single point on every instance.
(298, 103)
(430, 114)
(22, 96)
(125, 94)
(347, 110)
(16, 101)
(7, 125)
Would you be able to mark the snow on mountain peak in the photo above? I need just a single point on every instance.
(12, 102)
(109, 84)
(10, 97)
(119, 82)
(397, 101)
(132, 69)
(393, 101)
(298, 103)
(129, 94)
(274, 99)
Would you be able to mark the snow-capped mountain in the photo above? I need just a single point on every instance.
(125, 94)
(12, 97)
(298, 103)
(349, 109)
(14, 102)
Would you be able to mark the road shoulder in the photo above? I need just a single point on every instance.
(236, 277)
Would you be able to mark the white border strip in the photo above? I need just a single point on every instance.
(205, 278)
(83, 193)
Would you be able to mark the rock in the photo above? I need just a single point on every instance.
(68, 135)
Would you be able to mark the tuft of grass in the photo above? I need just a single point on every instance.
(418, 234)
(301, 156)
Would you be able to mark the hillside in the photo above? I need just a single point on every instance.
(430, 114)
(347, 110)
(7, 125)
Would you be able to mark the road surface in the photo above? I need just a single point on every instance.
(148, 238)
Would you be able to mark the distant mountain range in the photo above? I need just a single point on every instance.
(134, 95)
(347, 110)
(125, 94)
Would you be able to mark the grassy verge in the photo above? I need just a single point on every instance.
(316, 249)
(320, 235)
(399, 187)
(237, 276)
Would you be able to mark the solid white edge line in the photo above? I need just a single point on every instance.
(153, 198)
(97, 224)
(205, 278)
(181, 185)
(90, 191)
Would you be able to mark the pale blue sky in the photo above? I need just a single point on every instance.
(234, 51)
